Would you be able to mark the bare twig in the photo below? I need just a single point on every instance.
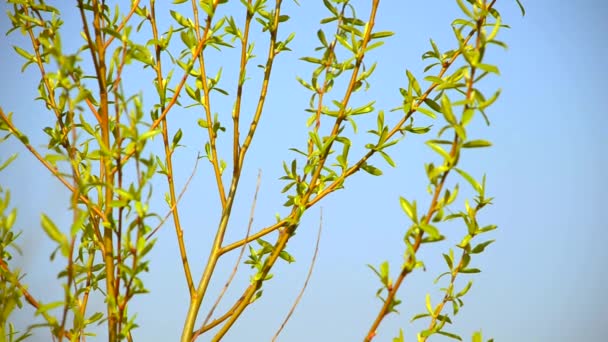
(179, 197)
(238, 260)
(312, 265)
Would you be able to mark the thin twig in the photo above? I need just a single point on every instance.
(312, 265)
(238, 260)
(179, 197)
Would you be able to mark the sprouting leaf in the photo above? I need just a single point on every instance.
(287, 257)
(54, 233)
(448, 260)
(449, 334)
(177, 137)
(409, 209)
(418, 316)
(431, 230)
(149, 134)
(371, 169)
(470, 270)
(382, 34)
(429, 306)
(476, 337)
(488, 68)
(384, 272)
(521, 8)
(8, 161)
(481, 247)
(439, 150)
(400, 338)
(470, 179)
(476, 144)
(465, 289)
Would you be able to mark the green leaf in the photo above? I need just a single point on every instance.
(465, 289)
(149, 134)
(434, 105)
(439, 150)
(431, 230)
(481, 247)
(523, 12)
(426, 112)
(8, 161)
(23, 53)
(51, 229)
(448, 334)
(470, 179)
(448, 260)
(311, 60)
(413, 82)
(371, 169)
(400, 338)
(418, 316)
(417, 130)
(382, 34)
(446, 109)
(429, 307)
(476, 144)
(488, 68)
(287, 257)
(409, 209)
(177, 137)
(477, 337)
(470, 270)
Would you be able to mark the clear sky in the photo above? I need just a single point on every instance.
(543, 280)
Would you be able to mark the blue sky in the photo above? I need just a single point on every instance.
(541, 281)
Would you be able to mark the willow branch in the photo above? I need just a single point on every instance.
(312, 265)
(397, 128)
(179, 198)
(238, 260)
(405, 271)
(123, 22)
(213, 158)
(169, 163)
(54, 171)
(221, 231)
(285, 234)
(236, 114)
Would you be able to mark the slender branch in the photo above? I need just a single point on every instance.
(97, 47)
(236, 147)
(214, 254)
(446, 297)
(405, 271)
(455, 272)
(218, 320)
(253, 237)
(238, 260)
(179, 198)
(312, 265)
(169, 162)
(213, 158)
